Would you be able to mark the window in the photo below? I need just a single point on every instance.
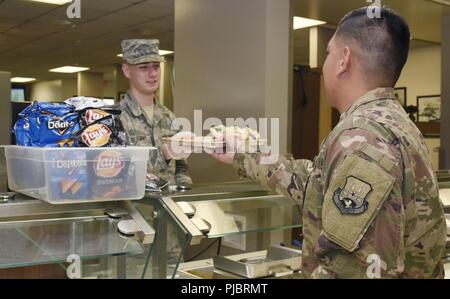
(18, 94)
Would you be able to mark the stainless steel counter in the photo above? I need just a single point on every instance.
(204, 269)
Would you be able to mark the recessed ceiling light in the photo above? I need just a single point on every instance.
(300, 23)
(69, 69)
(57, 2)
(22, 80)
(165, 52)
(161, 52)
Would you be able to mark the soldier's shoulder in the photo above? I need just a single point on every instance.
(369, 123)
(125, 109)
(164, 111)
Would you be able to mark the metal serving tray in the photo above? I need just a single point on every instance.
(279, 261)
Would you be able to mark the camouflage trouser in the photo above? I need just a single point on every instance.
(175, 173)
(181, 176)
(182, 179)
(175, 243)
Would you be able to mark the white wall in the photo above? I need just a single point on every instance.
(121, 83)
(422, 73)
(53, 91)
(422, 76)
(47, 91)
(109, 89)
(90, 84)
(69, 88)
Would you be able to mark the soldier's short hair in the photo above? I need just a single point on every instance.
(384, 41)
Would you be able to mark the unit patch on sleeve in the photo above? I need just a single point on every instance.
(352, 197)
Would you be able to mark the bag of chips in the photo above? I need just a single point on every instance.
(113, 175)
(68, 174)
(104, 132)
(47, 125)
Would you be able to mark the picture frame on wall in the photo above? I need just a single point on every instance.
(401, 95)
(429, 108)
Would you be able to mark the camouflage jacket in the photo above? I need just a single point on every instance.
(143, 132)
(370, 202)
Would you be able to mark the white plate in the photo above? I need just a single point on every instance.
(197, 142)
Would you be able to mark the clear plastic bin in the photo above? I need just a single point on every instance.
(75, 175)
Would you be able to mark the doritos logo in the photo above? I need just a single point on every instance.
(96, 135)
(60, 126)
(70, 166)
(109, 164)
(94, 115)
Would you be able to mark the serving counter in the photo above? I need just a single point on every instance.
(146, 238)
(229, 230)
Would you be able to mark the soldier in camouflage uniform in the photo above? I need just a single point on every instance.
(370, 202)
(145, 120)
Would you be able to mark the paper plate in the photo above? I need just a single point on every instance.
(197, 142)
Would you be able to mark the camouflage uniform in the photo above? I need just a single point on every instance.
(144, 131)
(136, 51)
(370, 203)
(147, 132)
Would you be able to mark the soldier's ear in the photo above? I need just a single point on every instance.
(126, 70)
(344, 61)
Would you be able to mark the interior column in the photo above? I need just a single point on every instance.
(233, 59)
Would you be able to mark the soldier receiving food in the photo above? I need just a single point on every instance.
(145, 120)
(370, 201)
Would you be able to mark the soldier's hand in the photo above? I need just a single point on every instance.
(234, 143)
(226, 158)
(177, 149)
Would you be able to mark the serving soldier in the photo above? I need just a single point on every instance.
(370, 202)
(145, 120)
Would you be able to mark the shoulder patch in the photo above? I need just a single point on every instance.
(351, 199)
(355, 195)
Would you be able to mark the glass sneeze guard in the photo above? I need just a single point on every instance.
(45, 242)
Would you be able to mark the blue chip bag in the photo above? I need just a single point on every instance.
(54, 128)
(45, 124)
(22, 132)
(68, 173)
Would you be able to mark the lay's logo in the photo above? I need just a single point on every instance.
(94, 115)
(109, 164)
(96, 135)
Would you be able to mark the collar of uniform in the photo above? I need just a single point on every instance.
(135, 107)
(158, 112)
(373, 95)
